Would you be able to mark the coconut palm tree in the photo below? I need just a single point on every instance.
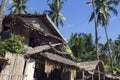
(96, 25)
(103, 9)
(115, 47)
(18, 6)
(82, 46)
(116, 54)
(54, 12)
(2, 9)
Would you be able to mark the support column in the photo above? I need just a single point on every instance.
(103, 76)
(92, 77)
(98, 73)
(83, 75)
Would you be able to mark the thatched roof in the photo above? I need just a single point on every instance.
(20, 17)
(43, 52)
(58, 59)
(90, 66)
(40, 49)
(113, 77)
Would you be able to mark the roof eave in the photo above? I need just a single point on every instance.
(56, 28)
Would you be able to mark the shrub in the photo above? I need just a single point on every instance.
(12, 45)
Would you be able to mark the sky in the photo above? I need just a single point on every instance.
(77, 14)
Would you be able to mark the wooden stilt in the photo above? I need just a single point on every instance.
(83, 75)
(98, 73)
(103, 76)
(92, 77)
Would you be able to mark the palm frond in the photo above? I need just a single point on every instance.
(114, 2)
(113, 10)
(89, 3)
(62, 16)
(91, 17)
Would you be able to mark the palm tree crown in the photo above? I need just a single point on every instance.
(54, 12)
(18, 6)
(103, 9)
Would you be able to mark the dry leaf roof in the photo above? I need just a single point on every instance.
(112, 76)
(59, 59)
(43, 17)
(42, 51)
(90, 66)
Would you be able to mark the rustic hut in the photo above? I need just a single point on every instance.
(51, 65)
(43, 60)
(93, 70)
(36, 29)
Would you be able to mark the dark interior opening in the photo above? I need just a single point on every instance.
(55, 74)
(5, 33)
(39, 73)
(34, 39)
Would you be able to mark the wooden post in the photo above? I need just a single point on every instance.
(103, 76)
(83, 75)
(98, 73)
(92, 77)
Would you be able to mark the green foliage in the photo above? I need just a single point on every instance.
(36, 12)
(54, 12)
(82, 46)
(115, 51)
(18, 6)
(13, 45)
(103, 10)
(83, 49)
(67, 49)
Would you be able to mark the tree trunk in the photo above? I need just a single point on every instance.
(96, 32)
(2, 9)
(109, 49)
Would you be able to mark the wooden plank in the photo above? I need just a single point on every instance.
(13, 71)
(18, 67)
(30, 66)
(6, 72)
